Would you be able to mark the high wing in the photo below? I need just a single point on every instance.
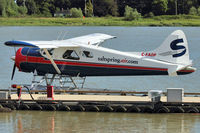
(90, 39)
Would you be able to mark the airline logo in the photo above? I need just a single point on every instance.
(174, 46)
(178, 50)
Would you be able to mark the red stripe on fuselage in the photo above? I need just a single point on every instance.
(31, 59)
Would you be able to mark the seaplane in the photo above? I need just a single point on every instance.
(84, 56)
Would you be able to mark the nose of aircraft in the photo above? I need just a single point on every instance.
(17, 58)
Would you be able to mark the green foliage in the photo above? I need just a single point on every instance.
(8, 8)
(183, 6)
(164, 20)
(11, 8)
(193, 11)
(75, 13)
(10, 12)
(89, 10)
(198, 11)
(148, 8)
(159, 7)
(2, 7)
(128, 12)
(149, 15)
(31, 7)
(131, 14)
(105, 7)
(22, 10)
(20, 2)
(45, 10)
(62, 4)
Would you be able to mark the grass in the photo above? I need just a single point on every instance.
(165, 20)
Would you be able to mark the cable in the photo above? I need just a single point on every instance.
(29, 93)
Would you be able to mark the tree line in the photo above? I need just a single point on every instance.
(48, 8)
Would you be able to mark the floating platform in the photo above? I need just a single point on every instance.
(92, 101)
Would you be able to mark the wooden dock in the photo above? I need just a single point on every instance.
(107, 101)
(99, 98)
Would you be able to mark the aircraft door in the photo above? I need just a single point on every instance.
(32, 59)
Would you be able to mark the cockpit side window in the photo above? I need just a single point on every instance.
(87, 54)
(49, 50)
(71, 54)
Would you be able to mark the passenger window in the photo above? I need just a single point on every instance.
(71, 54)
(87, 54)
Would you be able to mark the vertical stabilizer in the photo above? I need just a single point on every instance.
(174, 49)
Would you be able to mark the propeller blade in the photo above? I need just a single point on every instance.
(13, 72)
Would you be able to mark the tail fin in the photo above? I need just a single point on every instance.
(174, 49)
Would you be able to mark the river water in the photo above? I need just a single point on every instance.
(128, 39)
(89, 122)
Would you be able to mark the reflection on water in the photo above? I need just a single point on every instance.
(58, 122)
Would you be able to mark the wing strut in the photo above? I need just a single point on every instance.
(52, 61)
(55, 66)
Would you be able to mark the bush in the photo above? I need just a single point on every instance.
(89, 10)
(22, 10)
(4, 13)
(198, 11)
(11, 12)
(149, 15)
(159, 7)
(131, 14)
(75, 13)
(193, 11)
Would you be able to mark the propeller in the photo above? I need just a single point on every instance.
(13, 72)
(14, 67)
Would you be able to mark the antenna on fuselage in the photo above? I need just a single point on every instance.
(64, 35)
(59, 35)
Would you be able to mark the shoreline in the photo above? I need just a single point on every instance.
(157, 21)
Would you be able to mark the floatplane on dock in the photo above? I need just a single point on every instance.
(83, 56)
